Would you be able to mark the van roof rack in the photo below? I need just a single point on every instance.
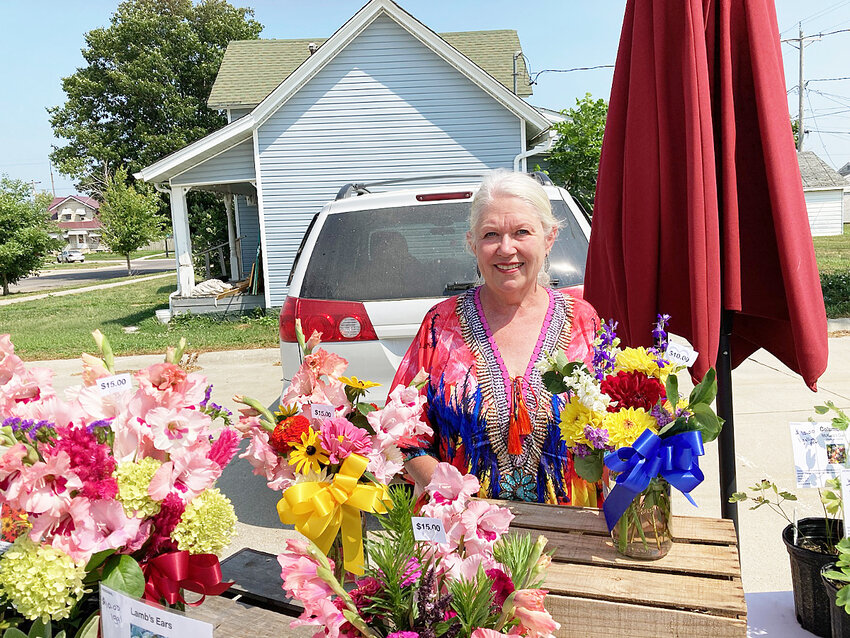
(353, 189)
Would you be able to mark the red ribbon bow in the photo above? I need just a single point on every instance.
(168, 573)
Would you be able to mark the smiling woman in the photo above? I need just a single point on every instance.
(490, 411)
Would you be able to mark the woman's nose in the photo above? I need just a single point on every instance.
(506, 245)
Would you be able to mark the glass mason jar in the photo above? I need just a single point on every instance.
(643, 530)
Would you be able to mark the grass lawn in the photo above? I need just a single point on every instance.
(60, 327)
(833, 255)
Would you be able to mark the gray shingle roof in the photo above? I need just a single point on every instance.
(251, 69)
(844, 170)
(816, 173)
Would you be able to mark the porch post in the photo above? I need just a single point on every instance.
(182, 241)
(235, 275)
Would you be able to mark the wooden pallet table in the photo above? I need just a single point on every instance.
(694, 591)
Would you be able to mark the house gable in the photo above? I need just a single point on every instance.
(385, 106)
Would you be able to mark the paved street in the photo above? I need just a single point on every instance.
(60, 278)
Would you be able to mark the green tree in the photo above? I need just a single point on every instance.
(574, 160)
(143, 91)
(129, 214)
(25, 228)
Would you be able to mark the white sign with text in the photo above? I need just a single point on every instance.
(321, 411)
(820, 452)
(428, 529)
(115, 383)
(680, 355)
(122, 616)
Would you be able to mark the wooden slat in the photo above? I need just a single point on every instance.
(685, 558)
(582, 618)
(673, 591)
(591, 521)
(232, 619)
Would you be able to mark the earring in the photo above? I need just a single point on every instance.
(546, 263)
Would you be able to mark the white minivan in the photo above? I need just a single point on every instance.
(372, 263)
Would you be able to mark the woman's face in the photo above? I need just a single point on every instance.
(510, 245)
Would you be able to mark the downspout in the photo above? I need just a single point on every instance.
(540, 148)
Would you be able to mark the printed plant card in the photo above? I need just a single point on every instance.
(820, 452)
(122, 616)
(845, 494)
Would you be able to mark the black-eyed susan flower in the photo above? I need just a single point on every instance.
(308, 454)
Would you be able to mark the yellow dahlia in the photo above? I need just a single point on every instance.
(639, 360)
(574, 417)
(625, 426)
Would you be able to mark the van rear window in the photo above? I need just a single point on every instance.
(413, 252)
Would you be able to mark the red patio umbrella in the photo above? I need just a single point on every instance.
(699, 209)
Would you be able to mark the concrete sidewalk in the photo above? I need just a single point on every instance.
(767, 396)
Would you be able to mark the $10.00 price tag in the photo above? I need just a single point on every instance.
(428, 529)
(680, 355)
(116, 383)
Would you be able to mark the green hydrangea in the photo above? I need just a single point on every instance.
(208, 524)
(134, 478)
(40, 581)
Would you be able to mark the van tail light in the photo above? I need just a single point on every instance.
(336, 320)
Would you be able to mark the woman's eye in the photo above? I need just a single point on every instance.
(523, 231)
(489, 234)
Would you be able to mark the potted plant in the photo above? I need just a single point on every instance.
(835, 578)
(811, 544)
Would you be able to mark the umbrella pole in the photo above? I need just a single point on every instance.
(726, 440)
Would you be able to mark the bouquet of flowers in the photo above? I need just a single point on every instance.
(111, 485)
(330, 453)
(479, 583)
(626, 414)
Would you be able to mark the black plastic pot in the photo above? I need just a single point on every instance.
(839, 618)
(810, 600)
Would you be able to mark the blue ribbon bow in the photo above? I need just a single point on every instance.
(675, 459)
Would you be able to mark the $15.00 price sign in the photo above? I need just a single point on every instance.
(428, 529)
(116, 383)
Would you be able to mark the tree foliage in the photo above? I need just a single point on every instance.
(25, 226)
(143, 91)
(574, 160)
(129, 214)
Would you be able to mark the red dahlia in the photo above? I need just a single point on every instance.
(287, 432)
(632, 390)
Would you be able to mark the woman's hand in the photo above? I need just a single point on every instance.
(421, 468)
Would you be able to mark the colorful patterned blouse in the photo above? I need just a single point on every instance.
(470, 397)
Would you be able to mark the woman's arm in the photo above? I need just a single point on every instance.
(421, 469)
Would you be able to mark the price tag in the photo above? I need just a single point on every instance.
(428, 529)
(321, 411)
(680, 355)
(116, 383)
(4, 546)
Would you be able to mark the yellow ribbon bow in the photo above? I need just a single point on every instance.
(319, 509)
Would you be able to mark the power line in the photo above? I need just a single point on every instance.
(828, 79)
(533, 78)
(818, 14)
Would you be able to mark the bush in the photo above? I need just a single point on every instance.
(836, 293)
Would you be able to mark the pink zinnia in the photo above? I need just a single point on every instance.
(340, 438)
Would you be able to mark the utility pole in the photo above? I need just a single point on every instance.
(52, 185)
(800, 43)
(32, 184)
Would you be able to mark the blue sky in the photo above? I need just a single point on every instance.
(42, 40)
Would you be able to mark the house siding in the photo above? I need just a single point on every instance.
(825, 211)
(386, 106)
(248, 228)
(233, 165)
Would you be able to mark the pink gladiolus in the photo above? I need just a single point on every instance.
(449, 485)
(340, 438)
(531, 613)
(483, 523)
(323, 613)
(488, 633)
(47, 486)
(176, 428)
(170, 386)
(400, 421)
(314, 340)
(301, 580)
(93, 369)
(384, 465)
(323, 362)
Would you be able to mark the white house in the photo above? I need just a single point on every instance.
(823, 188)
(384, 97)
(76, 216)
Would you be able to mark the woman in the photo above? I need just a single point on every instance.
(488, 407)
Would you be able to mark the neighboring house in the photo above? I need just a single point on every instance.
(823, 188)
(384, 97)
(76, 216)
(844, 171)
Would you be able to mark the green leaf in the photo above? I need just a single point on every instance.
(122, 573)
(836, 575)
(554, 382)
(14, 632)
(672, 389)
(589, 467)
(365, 408)
(821, 409)
(738, 497)
(89, 628)
(705, 391)
(97, 559)
(681, 424)
(707, 421)
(788, 496)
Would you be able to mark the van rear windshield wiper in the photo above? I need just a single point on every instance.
(460, 285)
